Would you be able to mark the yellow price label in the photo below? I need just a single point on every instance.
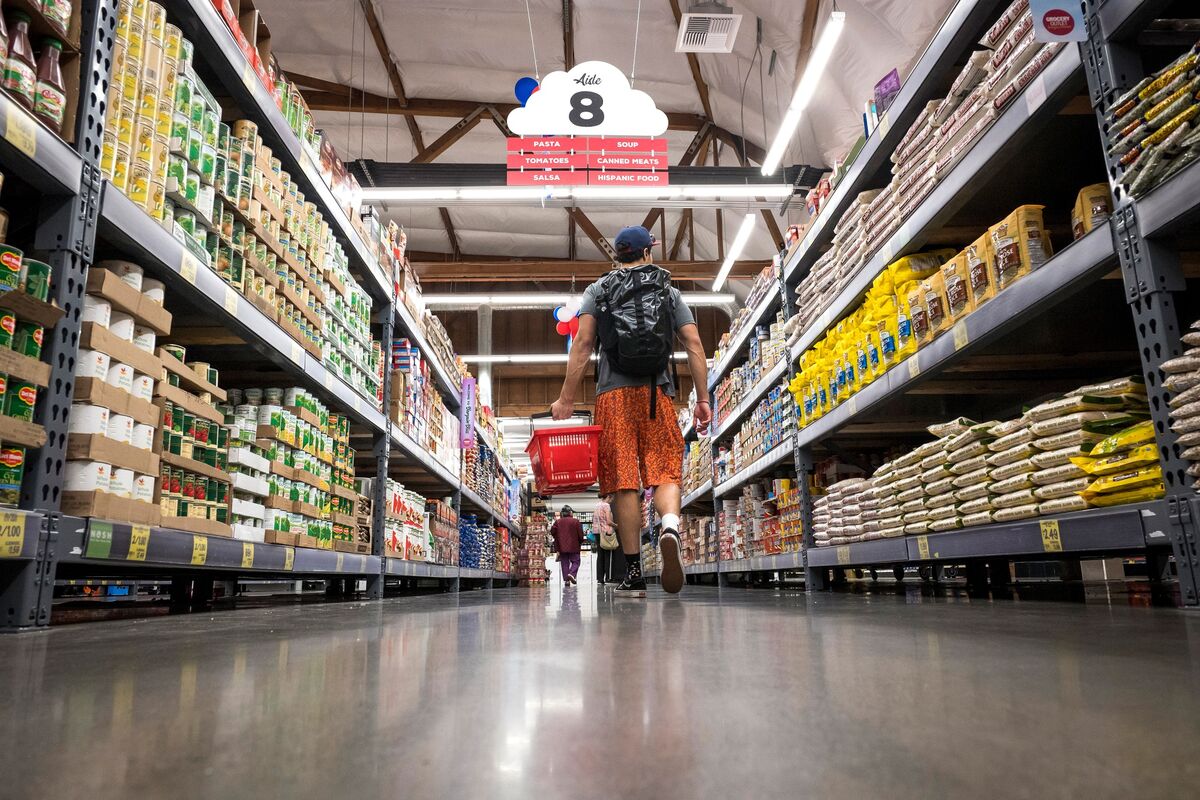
(289, 558)
(199, 550)
(20, 130)
(852, 404)
(961, 339)
(341, 562)
(231, 300)
(843, 554)
(249, 78)
(1051, 536)
(297, 354)
(188, 266)
(139, 542)
(914, 366)
(247, 555)
(923, 547)
(12, 534)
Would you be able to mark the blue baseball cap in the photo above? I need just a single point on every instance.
(631, 241)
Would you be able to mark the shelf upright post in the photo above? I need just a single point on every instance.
(381, 450)
(1154, 281)
(66, 234)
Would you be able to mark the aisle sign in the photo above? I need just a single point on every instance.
(1058, 21)
(466, 415)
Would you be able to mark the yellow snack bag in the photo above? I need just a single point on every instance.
(1140, 456)
(918, 266)
(1142, 494)
(1093, 206)
(885, 335)
(1132, 436)
(936, 307)
(1020, 244)
(1123, 481)
(912, 299)
(957, 280)
(981, 268)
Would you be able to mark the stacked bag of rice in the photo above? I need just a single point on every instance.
(1183, 380)
(868, 501)
(837, 516)
(822, 520)
(891, 520)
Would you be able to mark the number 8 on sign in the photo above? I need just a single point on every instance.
(586, 109)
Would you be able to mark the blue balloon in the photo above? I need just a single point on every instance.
(524, 89)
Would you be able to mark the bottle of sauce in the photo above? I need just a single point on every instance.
(20, 70)
(51, 99)
(3, 41)
(58, 12)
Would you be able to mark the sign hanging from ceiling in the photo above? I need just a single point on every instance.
(592, 99)
(1058, 21)
(586, 126)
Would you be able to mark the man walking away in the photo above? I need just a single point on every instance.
(568, 536)
(635, 315)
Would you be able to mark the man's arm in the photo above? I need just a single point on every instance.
(581, 351)
(698, 364)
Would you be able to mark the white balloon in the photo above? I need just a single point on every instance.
(563, 314)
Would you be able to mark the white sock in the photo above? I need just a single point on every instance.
(670, 521)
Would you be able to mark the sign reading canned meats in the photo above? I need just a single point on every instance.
(1058, 21)
(592, 99)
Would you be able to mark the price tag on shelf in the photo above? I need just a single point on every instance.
(139, 542)
(852, 404)
(297, 353)
(885, 124)
(1051, 536)
(886, 252)
(249, 77)
(961, 339)
(12, 534)
(231, 300)
(329, 381)
(199, 550)
(914, 366)
(99, 542)
(843, 554)
(188, 266)
(923, 547)
(341, 562)
(356, 403)
(289, 558)
(247, 555)
(20, 130)
(1035, 95)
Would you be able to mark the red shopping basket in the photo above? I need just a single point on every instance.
(564, 460)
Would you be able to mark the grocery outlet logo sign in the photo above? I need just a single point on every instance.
(1054, 21)
(587, 126)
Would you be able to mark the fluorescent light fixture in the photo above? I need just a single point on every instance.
(408, 194)
(504, 193)
(807, 87)
(484, 194)
(547, 299)
(735, 249)
(626, 192)
(766, 190)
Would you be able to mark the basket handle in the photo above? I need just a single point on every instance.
(547, 415)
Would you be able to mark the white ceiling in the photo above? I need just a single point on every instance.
(477, 49)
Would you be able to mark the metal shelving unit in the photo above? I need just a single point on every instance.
(1139, 242)
(78, 213)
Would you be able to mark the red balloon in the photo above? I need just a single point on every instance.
(574, 324)
(562, 328)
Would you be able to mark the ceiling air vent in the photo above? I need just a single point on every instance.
(708, 28)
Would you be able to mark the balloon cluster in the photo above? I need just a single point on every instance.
(568, 318)
(524, 88)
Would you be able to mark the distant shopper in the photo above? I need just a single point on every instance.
(568, 538)
(636, 315)
(606, 536)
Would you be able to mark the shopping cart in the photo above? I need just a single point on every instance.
(564, 460)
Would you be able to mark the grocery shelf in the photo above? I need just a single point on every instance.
(31, 152)
(398, 567)
(126, 226)
(1083, 261)
(730, 354)
(450, 385)
(1172, 205)
(1121, 19)
(475, 574)
(689, 430)
(697, 495)
(794, 560)
(777, 455)
(19, 534)
(879, 551)
(104, 545)
(471, 498)
(752, 398)
(214, 43)
(1017, 125)
(701, 569)
(414, 451)
(956, 37)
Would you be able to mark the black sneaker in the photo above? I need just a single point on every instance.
(631, 587)
(672, 564)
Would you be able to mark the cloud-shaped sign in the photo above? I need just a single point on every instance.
(593, 99)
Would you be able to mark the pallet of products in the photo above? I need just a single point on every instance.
(407, 528)
(249, 475)
(113, 447)
(1155, 128)
(698, 537)
(697, 464)
(443, 524)
(476, 543)
(531, 558)
(766, 348)
(25, 315)
(194, 491)
(770, 423)
(481, 474)
(1183, 381)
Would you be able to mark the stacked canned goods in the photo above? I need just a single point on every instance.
(194, 166)
(187, 435)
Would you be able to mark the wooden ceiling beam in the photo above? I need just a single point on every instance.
(698, 145)
(447, 139)
(593, 233)
(568, 11)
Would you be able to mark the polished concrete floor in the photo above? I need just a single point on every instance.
(552, 693)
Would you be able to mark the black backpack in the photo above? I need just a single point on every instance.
(636, 323)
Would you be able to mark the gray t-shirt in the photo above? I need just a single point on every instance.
(607, 378)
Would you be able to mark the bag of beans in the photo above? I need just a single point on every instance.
(1020, 244)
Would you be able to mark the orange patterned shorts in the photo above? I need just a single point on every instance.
(635, 451)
